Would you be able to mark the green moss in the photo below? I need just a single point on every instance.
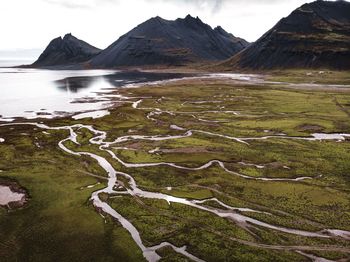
(59, 214)
(59, 222)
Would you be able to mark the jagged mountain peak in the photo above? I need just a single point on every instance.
(69, 36)
(66, 50)
(192, 21)
(192, 18)
(156, 41)
(188, 19)
(165, 42)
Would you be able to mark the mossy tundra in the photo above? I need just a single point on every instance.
(59, 222)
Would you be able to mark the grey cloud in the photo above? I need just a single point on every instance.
(67, 4)
(214, 5)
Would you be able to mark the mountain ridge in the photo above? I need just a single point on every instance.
(68, 50)
(158, 41)
(315, 35)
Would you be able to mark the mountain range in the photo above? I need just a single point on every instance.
(315, 35)
(160, 41)
(154, 42)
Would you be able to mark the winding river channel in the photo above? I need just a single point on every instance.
(231, 213)
(227, 212)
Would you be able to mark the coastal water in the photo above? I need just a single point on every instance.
(31, 93)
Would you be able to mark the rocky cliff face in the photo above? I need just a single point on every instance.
(161, 42)
(66, 51)
(316, 35)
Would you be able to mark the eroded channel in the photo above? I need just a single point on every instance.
(231, 213)
(227, 212)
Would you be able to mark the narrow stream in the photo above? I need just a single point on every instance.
(227, 212)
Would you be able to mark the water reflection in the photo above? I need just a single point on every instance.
(74, 84)
(31, 93)
(118, 79)
(134, 77)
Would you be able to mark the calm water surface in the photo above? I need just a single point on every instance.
(31, 93)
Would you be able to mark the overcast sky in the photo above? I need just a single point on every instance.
(33, 23)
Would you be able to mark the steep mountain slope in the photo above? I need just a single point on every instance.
(162, 42)
(316, 35)
(65, 51)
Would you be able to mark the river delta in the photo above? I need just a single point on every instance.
(200, 167)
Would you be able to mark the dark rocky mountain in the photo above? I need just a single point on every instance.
(316, 35)
(66, 51)
(162, 42)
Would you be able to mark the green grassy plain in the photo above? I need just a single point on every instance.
(59, 222)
